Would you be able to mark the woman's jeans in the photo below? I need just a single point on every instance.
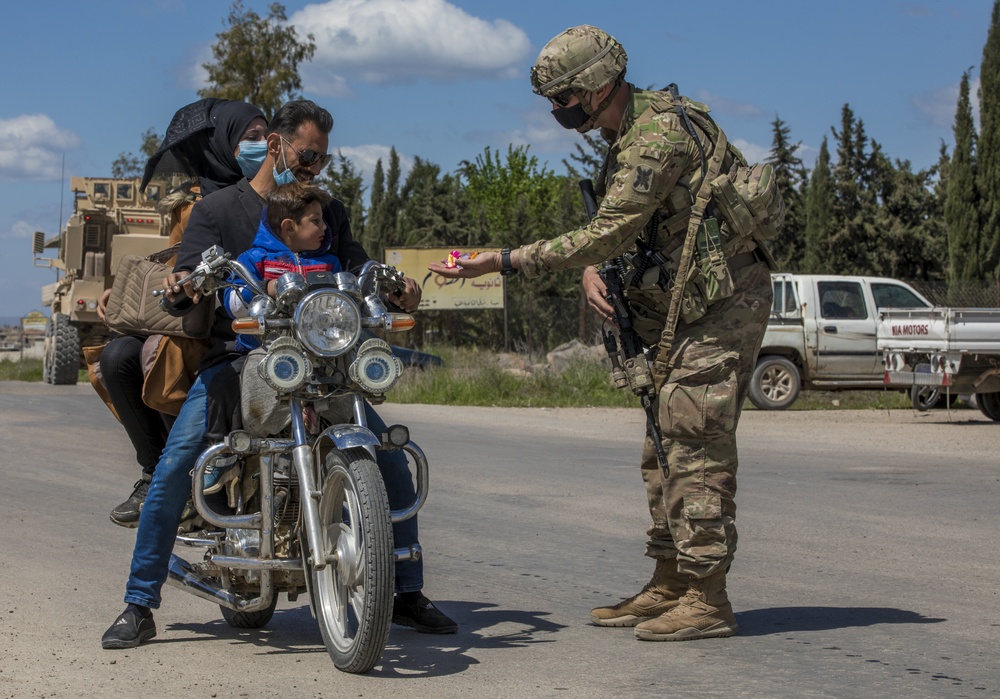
(171, 489)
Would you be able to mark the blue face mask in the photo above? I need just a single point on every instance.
(286, 176)
(251, 157)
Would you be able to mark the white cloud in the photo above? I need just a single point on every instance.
(401, 41)
(538, 130)
(364, 158)
(721, 105)
(752, 152)
(32, 146)
(18, 229)
(939, 106)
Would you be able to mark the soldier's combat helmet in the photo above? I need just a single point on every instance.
(580, 60)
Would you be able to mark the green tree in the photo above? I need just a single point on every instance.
(431, 207)
(911, 241)
(257, 58)
(514, 200)
(589, 159)
(961, 206)
(382, 227)
(129, 165)
(791, 175)
(855, 206)
(988, 148)
(344, 182)
(819, 214)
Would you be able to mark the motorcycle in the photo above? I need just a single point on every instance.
(308, 507)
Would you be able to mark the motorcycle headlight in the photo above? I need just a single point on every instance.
(285, 368)
(327, 322)
(375, 369)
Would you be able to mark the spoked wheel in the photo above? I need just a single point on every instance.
(352, 595)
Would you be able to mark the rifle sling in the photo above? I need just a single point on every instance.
(702, 198)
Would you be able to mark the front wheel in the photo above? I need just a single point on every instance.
(775, 383)
(352, 595)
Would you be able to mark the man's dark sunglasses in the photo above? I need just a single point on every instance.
(562, 98)
(309, 157)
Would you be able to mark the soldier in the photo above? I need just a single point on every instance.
(651, 184)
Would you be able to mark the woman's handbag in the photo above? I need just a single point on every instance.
(133, 310)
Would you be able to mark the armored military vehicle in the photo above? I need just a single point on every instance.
(110, 219)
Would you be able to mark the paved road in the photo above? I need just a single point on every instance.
(868, 564)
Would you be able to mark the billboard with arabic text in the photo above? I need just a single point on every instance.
(440, 293)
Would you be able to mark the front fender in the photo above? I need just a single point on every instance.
(348, 437)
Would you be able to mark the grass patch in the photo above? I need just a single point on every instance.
(26, 370)
(848, 400)
(471, 377)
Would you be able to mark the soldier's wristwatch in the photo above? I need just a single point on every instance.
(505, 266)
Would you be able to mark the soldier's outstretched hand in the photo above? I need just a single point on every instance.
(483, 263)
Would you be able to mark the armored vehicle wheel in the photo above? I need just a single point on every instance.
(989, 405)
(61, 362)
(775, 383)
(352, 595)
(250, 620)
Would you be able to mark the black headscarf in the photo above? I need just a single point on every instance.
(200, 141)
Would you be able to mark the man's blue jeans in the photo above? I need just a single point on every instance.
(171, 489)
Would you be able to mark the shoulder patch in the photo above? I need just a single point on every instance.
(642, 181)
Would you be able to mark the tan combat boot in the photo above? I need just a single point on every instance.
(703, 612)
(659, 595)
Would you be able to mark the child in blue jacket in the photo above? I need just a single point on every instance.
(292, 238)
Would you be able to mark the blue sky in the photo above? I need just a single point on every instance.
(442, 79)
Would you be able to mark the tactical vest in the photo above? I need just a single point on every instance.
(649, 286)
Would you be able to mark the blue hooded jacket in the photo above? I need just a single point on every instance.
(269, 258)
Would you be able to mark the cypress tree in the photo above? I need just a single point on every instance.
(819, 217)
(789, 247)
(961, 212)
(988, 147)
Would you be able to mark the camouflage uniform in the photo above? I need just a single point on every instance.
(654, 168)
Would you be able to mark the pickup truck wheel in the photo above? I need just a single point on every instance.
(924, 397)
(775, 383)
(989, 405)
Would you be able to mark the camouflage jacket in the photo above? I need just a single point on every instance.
(653, 166)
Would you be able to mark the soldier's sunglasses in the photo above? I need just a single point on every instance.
(309, 157)
(563, 98)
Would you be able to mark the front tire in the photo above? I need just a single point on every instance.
(775, 383)
(352, 597)
(61, 362)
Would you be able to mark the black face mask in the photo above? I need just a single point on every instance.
(571, 117)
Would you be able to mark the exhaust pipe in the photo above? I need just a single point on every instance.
(182, 574)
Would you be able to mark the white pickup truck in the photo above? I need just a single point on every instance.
(822, 334)
(949, 349)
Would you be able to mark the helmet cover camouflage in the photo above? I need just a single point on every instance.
(582, 58)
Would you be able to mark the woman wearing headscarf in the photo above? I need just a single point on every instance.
(217, 143)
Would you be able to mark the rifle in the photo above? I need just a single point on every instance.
(629, 366)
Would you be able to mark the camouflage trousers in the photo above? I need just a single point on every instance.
(693, 509)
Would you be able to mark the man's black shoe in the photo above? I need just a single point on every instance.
(127, 514)
(129, 630)
(421, 615)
